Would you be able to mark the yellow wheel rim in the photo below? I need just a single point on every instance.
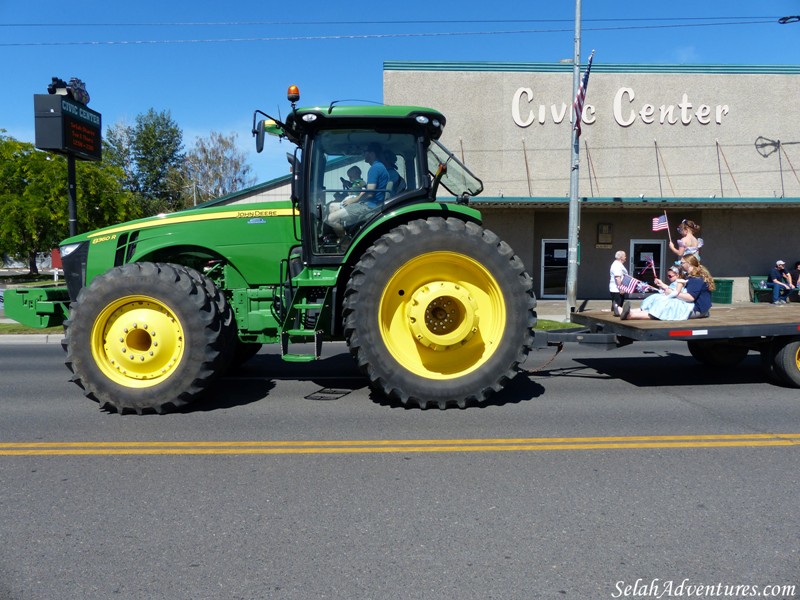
(442, 315)
(137, 342)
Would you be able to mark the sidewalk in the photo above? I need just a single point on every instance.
(556, 310)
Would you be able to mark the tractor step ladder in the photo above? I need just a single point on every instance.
(295, 328)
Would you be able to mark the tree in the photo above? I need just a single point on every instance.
(33, 198)
(117, 151)
(157, 148)
(150, 154)
(214, 167)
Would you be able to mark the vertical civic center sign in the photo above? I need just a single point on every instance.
(64, 124)
(67, 127)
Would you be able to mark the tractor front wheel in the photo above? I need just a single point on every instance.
(148, 337)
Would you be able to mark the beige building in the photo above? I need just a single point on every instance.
(716, 144)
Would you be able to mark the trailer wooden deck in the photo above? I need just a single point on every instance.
(725, 322)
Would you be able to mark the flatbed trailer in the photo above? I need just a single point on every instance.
(722, 340)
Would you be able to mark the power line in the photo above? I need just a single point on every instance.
(350, 22)
(372, 35)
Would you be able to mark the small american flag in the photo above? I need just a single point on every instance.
(660, 223)
(577, 105)
(650, 265)
(629, 284)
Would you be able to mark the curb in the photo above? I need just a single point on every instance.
(12, 339)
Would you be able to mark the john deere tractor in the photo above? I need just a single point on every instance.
(435, 309)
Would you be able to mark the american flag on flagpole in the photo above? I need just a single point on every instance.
(577, 105)
(660, 223)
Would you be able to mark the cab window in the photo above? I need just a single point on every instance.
(347, 188)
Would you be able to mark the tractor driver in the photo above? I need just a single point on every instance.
(356, 208)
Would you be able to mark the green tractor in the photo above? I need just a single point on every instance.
(435, 309)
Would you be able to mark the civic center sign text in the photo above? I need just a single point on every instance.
(623, 109)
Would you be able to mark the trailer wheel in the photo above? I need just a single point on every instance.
(439, 311)
(786, 361)
(148, 337)
(768, 366)
(717, 354)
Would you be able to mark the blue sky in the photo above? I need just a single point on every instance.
(336, 51)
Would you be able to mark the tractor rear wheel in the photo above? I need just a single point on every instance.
(439, 311)
(148, 337)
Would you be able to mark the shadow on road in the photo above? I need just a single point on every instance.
(338, 375)
(253, 381)
(668, 370)
(221, 395)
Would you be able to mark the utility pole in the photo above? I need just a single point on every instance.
(574, 205)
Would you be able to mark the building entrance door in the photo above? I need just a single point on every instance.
(553, 275)
(642, 254)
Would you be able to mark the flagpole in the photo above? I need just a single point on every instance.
(669, 233)
(574, 206)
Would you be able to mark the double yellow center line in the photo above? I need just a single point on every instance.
(397, 446)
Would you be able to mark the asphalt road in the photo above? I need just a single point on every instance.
(602, 472)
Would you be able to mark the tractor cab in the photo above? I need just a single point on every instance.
(354, 164)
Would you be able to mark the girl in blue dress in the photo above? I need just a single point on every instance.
(696, 296)
(665, 305)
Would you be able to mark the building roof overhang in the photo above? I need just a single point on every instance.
(597, 67)
(637, 203)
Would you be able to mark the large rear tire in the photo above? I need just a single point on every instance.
(148, 337)
(439, 311)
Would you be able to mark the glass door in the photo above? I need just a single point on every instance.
(553, 275)
(644, 257)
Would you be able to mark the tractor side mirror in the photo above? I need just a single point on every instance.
(265, 127)
(259, 133)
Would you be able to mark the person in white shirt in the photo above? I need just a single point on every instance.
(617, 272)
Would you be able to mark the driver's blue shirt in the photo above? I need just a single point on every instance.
(379, 176)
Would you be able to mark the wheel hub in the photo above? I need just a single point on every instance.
(442, 315)
(142, 341)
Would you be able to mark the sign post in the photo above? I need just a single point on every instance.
(65, 125)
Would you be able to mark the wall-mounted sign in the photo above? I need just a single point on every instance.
(66, 126)
(605, 233)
